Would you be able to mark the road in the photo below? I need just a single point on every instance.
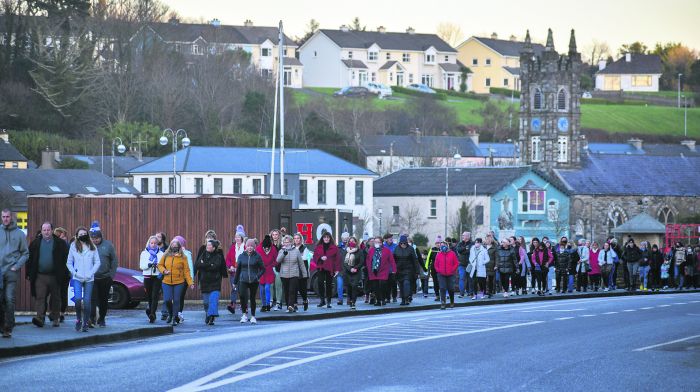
(639, 343)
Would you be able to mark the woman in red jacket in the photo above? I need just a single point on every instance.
(379, 262)
(268, 254)
(327, 264)
(446, 264)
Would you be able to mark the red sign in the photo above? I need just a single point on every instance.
(307, 230)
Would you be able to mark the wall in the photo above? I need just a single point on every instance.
(324, 69)
(474, 49)
(626, 83)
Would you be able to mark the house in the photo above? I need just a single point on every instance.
(10, 157)
(502, 199)
(103, 164)
(344, 57)
(632, 72)
(493, 62)
(260, 42)
(313, 179)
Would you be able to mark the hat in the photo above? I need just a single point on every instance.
(95, 230)
(345, 235)
(240, 231)
(388, 235)
(267, 241)
(181, 240)
(438, 239)
(403, 239)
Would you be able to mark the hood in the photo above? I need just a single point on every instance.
(10, 227)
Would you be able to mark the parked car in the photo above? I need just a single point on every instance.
(127, 289)
(586, 95)
(381, 90)
(353, 92)
(421, 87)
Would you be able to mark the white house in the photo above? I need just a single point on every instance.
(313, 179)
(339, 58)
(632, 72)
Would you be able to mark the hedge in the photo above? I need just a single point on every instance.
(504, 91)
(403, 90)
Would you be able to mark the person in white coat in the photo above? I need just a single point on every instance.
(83, 263)
(148, 262)
(478, 258)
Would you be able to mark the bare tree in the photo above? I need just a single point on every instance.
(596, 51)
(558, 218)
(450, 33)
(412, 219)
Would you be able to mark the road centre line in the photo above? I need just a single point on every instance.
(666, 343)
(588, 315)
(664, 306)
(611, 313)
(563, 318)
(647, 308)
(201, 384)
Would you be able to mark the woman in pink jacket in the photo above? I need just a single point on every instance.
(268, 254)
(594, 274)
(327, 263)
(446, 264)
(379, 262)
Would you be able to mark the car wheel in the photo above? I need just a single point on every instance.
(118, 296)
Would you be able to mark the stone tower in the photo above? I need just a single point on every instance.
(550, 112)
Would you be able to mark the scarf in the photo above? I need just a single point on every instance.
(152, 254)
(377, 259)
(350, 257)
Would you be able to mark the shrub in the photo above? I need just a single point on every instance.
(403, 90)
(420, 239)
(504, 91)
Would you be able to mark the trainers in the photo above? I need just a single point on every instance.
(56, 323)
(290, 309)
(460, 296)
(180, 317)
(474, 297)
(231, 308)
(101, 323)
(253, 320)
(279, 307)
(244, 319)
(6, 333)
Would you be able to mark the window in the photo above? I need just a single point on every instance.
(531, 201)
(237, 186)
(433, 208)
(372, 56)
(563, 144)
(488, 62)
(257, 186)
(144, 185)
(91, 189)
(553, 210)
(123, 189)
(54, 188)
(561, 100)
(287, 77)
(488, 82)
(171, 185)
(505, 82)
(218, 186)
(266, 52)
(350, 55)
(430, 58)
(406, 58)
(427, 80)
(475, 62)
(321, 191)
(410, 78)
(641, 80)
(374, 76)
(196, 49)
(666, 216)
(379, 162)
(15, 165)
(388, 56)
(199, 186)
(315, 54)
(612, 83)
(302, 192)
(537, 99)
(535, 149)
(447, 59)
(391, 76)
(340, 192)
(359, 193)
(18, 188)
(395, 210)
(479, 215)
(159, 185)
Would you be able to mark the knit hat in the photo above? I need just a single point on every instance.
(438, 239)
(344, 236)
(95, 230)
(181, 240)
(267, 241)
(240, 231)
(403, 239)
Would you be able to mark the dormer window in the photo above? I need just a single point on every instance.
(372, 56)
(54, 188)
(266, 52)
(430, 58)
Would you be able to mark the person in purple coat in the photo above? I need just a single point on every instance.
(379, 262)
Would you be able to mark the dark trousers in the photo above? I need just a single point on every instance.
(100, 298)
(447, 285)
(424, 284)
(392, 292)
(562, 279)
(613, 280)
(626, 276)
(436, 281)
(582, 281)
(46, 285)
(491, 284)
(64, 294)
(404, 282)
(325, 285)
(605, 275)
(353, 290)
(153, 287)
(537, 279)
(545, 279)
(289, 285)
(595, 281)
(505, 281)
(246, 293)
(379, 289)
(182, 298)
(303, 289)
(481, 283)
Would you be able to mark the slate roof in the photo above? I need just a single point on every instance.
(507, 47)
(628, 175)
(513, 70)
(387, 41)
(641, 224)
(293, 61)
(431, 181)
(187, 32)
(639, 64)
(8, 152)
(613, 148)
(122, 164)
(500, 150)
(423, 146)
(670, 150)
(354, 64)
(450, 67)
(388, 64)
(251, 160)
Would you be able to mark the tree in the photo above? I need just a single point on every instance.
(635, 47)
(462, 221)
(450, 33)
(411, 219)
(559, 219)
(72, 163)
(311, 28)
(464, 71)
(595, 52)
(355, 25)
(498, 119)
(694, 76)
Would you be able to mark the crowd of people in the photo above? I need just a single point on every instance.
(277, 268)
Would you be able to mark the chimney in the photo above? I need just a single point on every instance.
(49, 158)
(494, 35)
(410, 30)
(689, 143)
(636, 143)
(513, 38)
(4, 136)
(174, 20)
(381, 29)
(248, 23)
(628, 57)
(215, 22)
(602, 64)
(474, 135)
(344, 28)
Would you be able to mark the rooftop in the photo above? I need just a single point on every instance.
(639, 64)
(420, 146)
(387, 40)
(122, 164)
(641, 224)
(507, 47)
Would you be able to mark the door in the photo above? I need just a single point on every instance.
(450, 82)
(399, 79)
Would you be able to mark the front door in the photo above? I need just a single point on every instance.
(450, 82)
(399, 78)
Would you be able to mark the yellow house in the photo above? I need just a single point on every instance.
(494, 62)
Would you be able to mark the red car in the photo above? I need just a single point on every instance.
(127, 289)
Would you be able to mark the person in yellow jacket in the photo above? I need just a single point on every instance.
(176, 271)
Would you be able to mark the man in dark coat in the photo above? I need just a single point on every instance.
(46, 271)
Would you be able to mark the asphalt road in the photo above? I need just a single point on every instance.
(640, 343)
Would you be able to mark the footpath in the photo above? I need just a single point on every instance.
(123, 325)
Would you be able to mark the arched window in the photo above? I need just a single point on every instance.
(561, 100)
(537, 99)
(616, 217)
(563, 153)
(666, 216)
(535, 149)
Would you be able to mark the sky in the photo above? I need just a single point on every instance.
(612, 21)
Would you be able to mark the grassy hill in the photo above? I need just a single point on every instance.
(633, 119)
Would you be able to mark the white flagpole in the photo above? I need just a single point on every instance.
(274, 140)
(280, 72)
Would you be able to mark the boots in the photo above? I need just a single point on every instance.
(328, 303)
(322, 303)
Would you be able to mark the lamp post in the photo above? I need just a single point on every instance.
(685, 116)
(121, 148)
(447, 186)
(679, 90)
(379, 212)
(185, 144)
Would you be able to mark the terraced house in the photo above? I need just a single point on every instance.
(345, 57)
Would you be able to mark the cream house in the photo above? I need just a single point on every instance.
(494, 62)
(339, 58)
(632, 72)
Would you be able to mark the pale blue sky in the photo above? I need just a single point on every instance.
(612, 21)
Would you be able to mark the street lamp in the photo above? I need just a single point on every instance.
(379, 212)
(185, 143)
(447, 186)
(679, 90)
(685, 116)
(121, 149)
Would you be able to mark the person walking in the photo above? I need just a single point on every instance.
(594, 274)
(104, 276)
(237, 248)
(606, 263)
(304, 280)
(276, 284)
(211, 270)
(507, 261)
(83, 263)
(632, 256)
(539, 259)
(326, 259)
(463, 247)
(248, 273)
(148, 261)
(582, 267)
(46, 270)
(657, 259)
(291, 267)
(352, 267)
(176, 272)
(430, 263)
(644, 265)
(379, 262)
(339, 279)
(268, 254)
(446, 265)
(479, 258)
(190, 263)
(406, 268)
(163, 245)
(62, 233)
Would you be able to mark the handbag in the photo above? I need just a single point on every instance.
(470, 268)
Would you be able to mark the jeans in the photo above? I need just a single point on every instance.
(279, 295)
(391, 287)
(171, 297)
(82, 296)
(265, 294)
(633, 271)
(182, 297)
(100, 295)
(339, 286)
(436, 281)
(643, 275)
(247, 291)
(153, 287)
(210, 301)
(571, 283)
(447, 284)
(612, 279)
(424, 283)
(462, 276)
(290, 290)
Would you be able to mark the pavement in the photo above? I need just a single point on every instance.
(639, 342)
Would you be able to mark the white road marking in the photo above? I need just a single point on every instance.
(279, 357)
(629, 310)
(647, 308)
(551, 310)
(664, 306)
(261, 364)
(588, 315)
(303, 352)
(205, 383)
(667, 343)
(564, 318)
(610, 313)
(680, 303)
